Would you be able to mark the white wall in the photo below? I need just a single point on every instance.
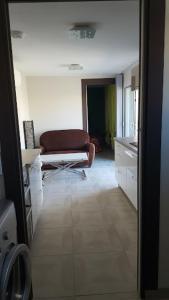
(55, 103)
(132, 70)
(22, 103)
(164, 198)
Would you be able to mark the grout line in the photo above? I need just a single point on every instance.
(73, 255)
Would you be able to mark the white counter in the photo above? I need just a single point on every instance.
(29, 156)
(128, 142)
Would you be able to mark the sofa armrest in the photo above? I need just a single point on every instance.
(42, 149)
(90, 147)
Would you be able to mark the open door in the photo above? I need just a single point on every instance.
(152, 22)
(12, 165)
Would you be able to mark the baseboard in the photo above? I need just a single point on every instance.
(162, 294)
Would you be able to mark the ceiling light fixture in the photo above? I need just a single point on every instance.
(75, 67)
(82, 31)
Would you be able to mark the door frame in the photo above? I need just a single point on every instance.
(150, 124)
(9, 128)
(152, 16)
(85, 83)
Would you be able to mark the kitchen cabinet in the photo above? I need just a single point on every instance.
(35, 176)
(32, 176)
(126, 171)
(28, 205)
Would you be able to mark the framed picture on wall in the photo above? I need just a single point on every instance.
(29, 134)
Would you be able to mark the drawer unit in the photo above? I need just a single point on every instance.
(28, 203)
(131, 186)
(36, 190)
(126, 171)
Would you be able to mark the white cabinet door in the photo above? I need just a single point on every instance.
(131, 176)
(120, 165)
(118, 173)
(132, 186)
(36, 190)
(126, 171)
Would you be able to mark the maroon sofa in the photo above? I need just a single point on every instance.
(67, 141)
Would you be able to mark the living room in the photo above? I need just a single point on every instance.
(84, 226)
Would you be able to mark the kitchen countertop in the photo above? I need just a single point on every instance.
(126, 142)
(29, 156)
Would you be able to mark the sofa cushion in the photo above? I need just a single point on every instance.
(57, 140)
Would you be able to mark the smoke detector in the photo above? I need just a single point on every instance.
(75, 67)
(17, 34)
(82, 31)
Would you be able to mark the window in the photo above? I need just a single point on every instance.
(130, 112)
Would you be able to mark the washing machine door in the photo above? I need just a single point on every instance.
(15, 281)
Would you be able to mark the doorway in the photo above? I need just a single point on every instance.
(148, 281)
(101, 105)
(96, 116)
(92, 221)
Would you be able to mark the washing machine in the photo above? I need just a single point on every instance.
(15, 265)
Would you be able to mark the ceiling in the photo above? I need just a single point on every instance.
(47, 47)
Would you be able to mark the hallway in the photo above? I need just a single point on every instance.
(85, 245)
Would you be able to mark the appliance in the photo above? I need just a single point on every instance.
(82, 31)
(15, 266)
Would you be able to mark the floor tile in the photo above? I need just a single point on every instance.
(52, 220)
(53, 189)
(115, 240)
(87, 218)
(53, 206)
(53, 276)
(52, 195)
(110, 216)
(128, 236)
(115, 201)
(132, 258)
(103, 273)
(53, 241)
(58, 298)
(84, 191)
(57, 199)
(90, 239)
(86, 240)
(85, 203)
(114, 296)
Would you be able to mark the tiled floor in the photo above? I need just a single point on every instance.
(85, 245)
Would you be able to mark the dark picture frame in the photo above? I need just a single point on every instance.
(29, 134)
